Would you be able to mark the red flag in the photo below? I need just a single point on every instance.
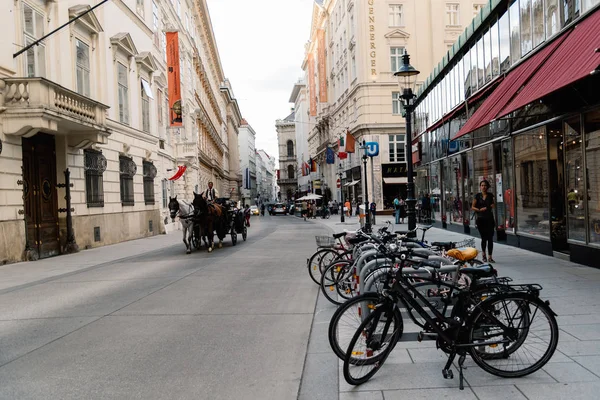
(342, 149)
(350, 143)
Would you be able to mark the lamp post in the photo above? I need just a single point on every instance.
(340, 173)
(407, 77)
(367, 216)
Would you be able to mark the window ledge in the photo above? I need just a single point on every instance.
(149, 202)
(95, 205)
(128, 203)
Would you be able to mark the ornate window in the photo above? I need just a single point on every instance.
(127, 170)
(290, 171)
(82, 72)
(33, 29)
(149, 175)
(123, 93)
(290, 148)
(94, 166)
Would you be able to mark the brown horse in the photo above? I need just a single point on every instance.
(210, 217)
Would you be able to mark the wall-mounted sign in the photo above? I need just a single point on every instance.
(394, 170)
(372, 149)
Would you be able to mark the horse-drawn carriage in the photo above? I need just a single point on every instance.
(201, 220)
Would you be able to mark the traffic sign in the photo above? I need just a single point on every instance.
(339, 183)
(372, 149)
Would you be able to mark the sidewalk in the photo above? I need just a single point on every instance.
(413, 370)
(25, 273)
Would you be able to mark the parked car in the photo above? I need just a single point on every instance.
(279, 208)
(254, 210)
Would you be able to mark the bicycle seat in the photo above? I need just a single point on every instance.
(463, 254)
(480, 271)
(425, 227)
(444, 245)
(339, 235)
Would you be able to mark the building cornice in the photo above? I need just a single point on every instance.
(131, 132)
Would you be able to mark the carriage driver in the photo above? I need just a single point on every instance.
(211, 193)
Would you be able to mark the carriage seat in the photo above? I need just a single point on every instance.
(479, 271)
(339, 235)
(464, 253)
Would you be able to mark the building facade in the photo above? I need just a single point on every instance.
(503, 107)
(247, 140)
(355, 47)
(103, 113)
(288, 165)
(268, 182)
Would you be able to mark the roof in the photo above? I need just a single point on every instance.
(291, 117)
(244, 122)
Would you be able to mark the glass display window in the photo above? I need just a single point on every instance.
(506, 203)
(592, 155)
(452, 200)
(531, 178)
(526, 28)
(435, 186)
(495, 49)
(515, 33)
(574, 179)
(504, 32)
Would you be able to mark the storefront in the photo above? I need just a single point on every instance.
(533, 132)
(394, 179)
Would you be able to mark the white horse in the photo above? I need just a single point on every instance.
(186, 213)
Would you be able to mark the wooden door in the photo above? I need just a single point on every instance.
(40, 198)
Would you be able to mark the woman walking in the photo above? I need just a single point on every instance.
(483, 205)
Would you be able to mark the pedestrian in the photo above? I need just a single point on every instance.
(396, 204)
(373, 210)
(425, 207)
(247, 214)
(313, 209)
(347, 208)
(483, 203)
(402, 210)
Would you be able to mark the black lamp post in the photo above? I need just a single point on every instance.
(340, 172)
(367, 216)
(407, 75)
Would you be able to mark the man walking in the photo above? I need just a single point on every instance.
(373, 210)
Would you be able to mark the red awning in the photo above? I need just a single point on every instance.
(180, 170)
(576, 57)
(504, 93)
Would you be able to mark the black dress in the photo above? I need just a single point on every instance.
(485, 219)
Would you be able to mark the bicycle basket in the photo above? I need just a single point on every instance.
(465, 243)
(325, 241)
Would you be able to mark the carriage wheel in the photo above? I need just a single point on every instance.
(245, 233)
(233, 238)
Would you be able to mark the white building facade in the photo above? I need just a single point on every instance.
(247, 150)
(288, 165)
(93, 98)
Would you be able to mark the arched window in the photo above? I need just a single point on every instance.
(290, 148)
(290, 169)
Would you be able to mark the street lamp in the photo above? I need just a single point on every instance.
(367, 214)
(340, 172)
(407, 78)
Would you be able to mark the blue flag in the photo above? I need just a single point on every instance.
(330, 156)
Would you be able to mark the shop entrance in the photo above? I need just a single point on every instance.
(556, 180)
(39, 194)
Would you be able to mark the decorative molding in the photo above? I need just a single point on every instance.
(94, 160)
(127, 166)
(397, 34)
(122, 42)
(88, 21)
(145, 61)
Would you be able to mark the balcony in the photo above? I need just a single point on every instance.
(31, 105)
(187, 150)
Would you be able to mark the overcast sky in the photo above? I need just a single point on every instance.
(261, 45)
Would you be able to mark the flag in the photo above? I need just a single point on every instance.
(342, 149)
(306, 169)
(330, 156)
(313, 165)
(350, 143)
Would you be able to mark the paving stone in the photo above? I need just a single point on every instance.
(498, 392)
(360, 395)
(592, 363)
(561, 391)
(579, 348)
(569, 373)
(429, 394)
(584, 332)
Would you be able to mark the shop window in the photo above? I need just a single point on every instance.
(574, 180)
(94, 166)
(505, 203)
(435, 180)
(592, 152)
(531, 177)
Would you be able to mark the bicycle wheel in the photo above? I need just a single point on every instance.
(348, 317)
(315, 263)
(329, 279)
(515, 334)
(371, 344)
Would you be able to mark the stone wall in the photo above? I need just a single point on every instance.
(12, 241)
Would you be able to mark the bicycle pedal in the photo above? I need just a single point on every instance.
(420, 336)
(448, 374)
